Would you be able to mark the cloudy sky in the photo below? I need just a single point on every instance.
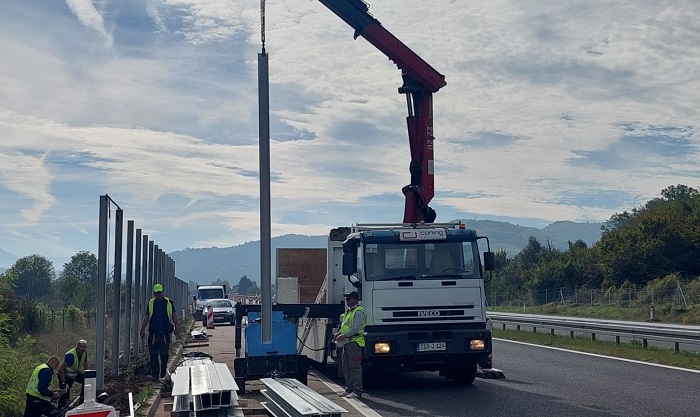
(568, 110)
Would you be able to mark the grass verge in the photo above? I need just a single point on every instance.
(633, 350)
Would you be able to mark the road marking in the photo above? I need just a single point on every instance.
(361, 407)
(675, 368)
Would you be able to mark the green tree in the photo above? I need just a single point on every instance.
(78, 280)
(225, 282)
(8, 281)
(34, 274)
(18, 315)
(659, 239)
(244, 284)
(680, 193)
(253, 289)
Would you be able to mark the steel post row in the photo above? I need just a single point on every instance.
(146, 265)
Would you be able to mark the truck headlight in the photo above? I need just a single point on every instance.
(477, 344)
(382, 348)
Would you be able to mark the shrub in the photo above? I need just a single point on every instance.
(16, 366)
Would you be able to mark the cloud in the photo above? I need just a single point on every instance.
(88, 15)
(564, 112)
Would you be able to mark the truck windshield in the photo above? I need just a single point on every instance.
(437, 260)
(209, 293)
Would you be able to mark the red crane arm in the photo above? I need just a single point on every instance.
(420, 81)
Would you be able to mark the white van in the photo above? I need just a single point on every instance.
(206, 293)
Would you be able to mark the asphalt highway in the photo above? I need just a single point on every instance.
(540, 381)
(544, 382)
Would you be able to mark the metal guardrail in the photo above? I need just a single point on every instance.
(645, 331)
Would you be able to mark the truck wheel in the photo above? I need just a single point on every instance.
(464, 374)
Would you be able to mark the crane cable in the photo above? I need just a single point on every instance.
(262, 24)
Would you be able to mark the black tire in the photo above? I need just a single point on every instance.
(464, 374)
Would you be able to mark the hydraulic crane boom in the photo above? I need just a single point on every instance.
(420, 81)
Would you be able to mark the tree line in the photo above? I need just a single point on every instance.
(658, 241)
(31, 282)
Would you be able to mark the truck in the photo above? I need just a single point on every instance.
(422, 288)
(421, 283)
(206, 293)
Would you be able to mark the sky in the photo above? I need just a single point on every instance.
(569, 110)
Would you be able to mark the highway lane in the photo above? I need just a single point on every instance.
(544, 382)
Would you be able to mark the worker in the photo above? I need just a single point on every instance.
(73, 370)
(39, 395)
(351, 337)
(161, 322)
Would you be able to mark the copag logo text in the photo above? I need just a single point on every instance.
(423, 235)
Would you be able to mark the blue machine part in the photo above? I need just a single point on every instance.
(284, 336)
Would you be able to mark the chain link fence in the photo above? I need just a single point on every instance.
(631, 296)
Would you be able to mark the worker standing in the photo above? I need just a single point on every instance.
(161, 322)
(39, 393)
(73, 370)
(351, 337)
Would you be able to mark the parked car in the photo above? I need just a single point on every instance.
(224, 310)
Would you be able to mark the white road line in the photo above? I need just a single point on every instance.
(602, 356)
(361, 407)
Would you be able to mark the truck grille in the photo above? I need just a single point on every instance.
(427, 314)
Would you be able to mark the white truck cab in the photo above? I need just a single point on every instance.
(422, 288)
(208, 292)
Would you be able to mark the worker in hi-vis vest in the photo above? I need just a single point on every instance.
(39, 392)
(73, 370)
(161, 320)
(351, 337)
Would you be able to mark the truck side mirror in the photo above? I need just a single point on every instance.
(489, 261)
(349, 263)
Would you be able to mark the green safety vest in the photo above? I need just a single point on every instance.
(348, 321)
(72, 370)
(33, 384)
(168, 308)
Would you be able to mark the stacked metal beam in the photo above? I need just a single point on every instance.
(290, 398)
(200, 384)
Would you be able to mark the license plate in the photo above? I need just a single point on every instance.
(430, 346)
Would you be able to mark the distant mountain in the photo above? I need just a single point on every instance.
(7, 259)
(205, 265)
(513, 238)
